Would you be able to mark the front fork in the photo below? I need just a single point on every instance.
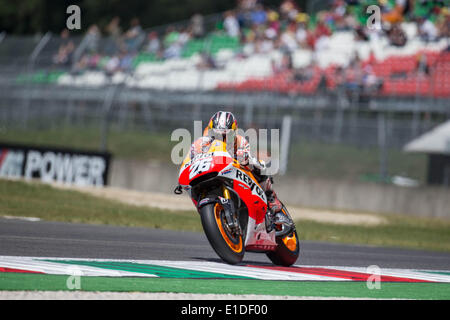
(229, 210)
(226, 193)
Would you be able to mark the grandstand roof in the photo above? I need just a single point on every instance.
(434, 141)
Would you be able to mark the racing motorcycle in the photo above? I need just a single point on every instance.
(233, 208)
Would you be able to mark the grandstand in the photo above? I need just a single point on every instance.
(286, 53)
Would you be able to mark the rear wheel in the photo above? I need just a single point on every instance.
(288, 249)
(227, 243)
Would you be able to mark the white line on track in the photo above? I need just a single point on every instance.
(38, 264)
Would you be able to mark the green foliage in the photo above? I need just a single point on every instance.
(31, 16)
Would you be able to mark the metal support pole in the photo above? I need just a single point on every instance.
(317, 123)
(382, 145)
(285, 142)
(30, 67)
(107, 105)
(338, 124)
(248, 118)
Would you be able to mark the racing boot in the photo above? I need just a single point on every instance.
(275, 217)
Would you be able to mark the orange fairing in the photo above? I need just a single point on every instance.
(290, 242)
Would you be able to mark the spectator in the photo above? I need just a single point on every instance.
(282, 66)
(273, 26)
(231, 24)
(112, 65)
(288, 39)
(133, 36)
(92, 39)
(258, 15)
(397, 36)
(286, 62)
(322, 28)
(354, 75)
(154, 45)
(245, 8)
(427, 30)
(197, 26)
(125, 61)
(174, 42)
(113, 28)
(288, 10)
(443, 24)
(360, 34)
(114, 31)
(206, 61)
(372, 58)
(422, 64)
(305, 74)
(250, 41)
(339, 9)
(170, 37)
(301, 33)
(64, 55)
(317, 39)
(247, 5)
(265, 45)
(184, 36)
(370, 82)
(396, 14)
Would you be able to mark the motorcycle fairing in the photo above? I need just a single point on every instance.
(217, 159)
(245, 184)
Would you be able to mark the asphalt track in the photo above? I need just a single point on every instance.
(55, 239)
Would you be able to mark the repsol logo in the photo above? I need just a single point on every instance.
(250, 183)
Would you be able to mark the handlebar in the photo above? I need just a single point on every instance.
(178, 190)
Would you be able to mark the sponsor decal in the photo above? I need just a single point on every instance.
(242, 186)
(226, 172)
(202, 156)
(261, 247)
(204, 201)
(199, 167)
(241, 176)
(54, 165)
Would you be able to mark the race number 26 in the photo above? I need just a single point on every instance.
(199, 167)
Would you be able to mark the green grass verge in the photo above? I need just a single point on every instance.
(18, 198)
(15, 281)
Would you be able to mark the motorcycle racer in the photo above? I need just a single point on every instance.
(223, 126)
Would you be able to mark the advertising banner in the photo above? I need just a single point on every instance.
(67, 166)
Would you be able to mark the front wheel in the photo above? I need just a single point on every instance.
(228, 244)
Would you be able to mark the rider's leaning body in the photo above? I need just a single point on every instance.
(223, 125)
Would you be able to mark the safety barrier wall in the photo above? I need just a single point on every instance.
(307, 192)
